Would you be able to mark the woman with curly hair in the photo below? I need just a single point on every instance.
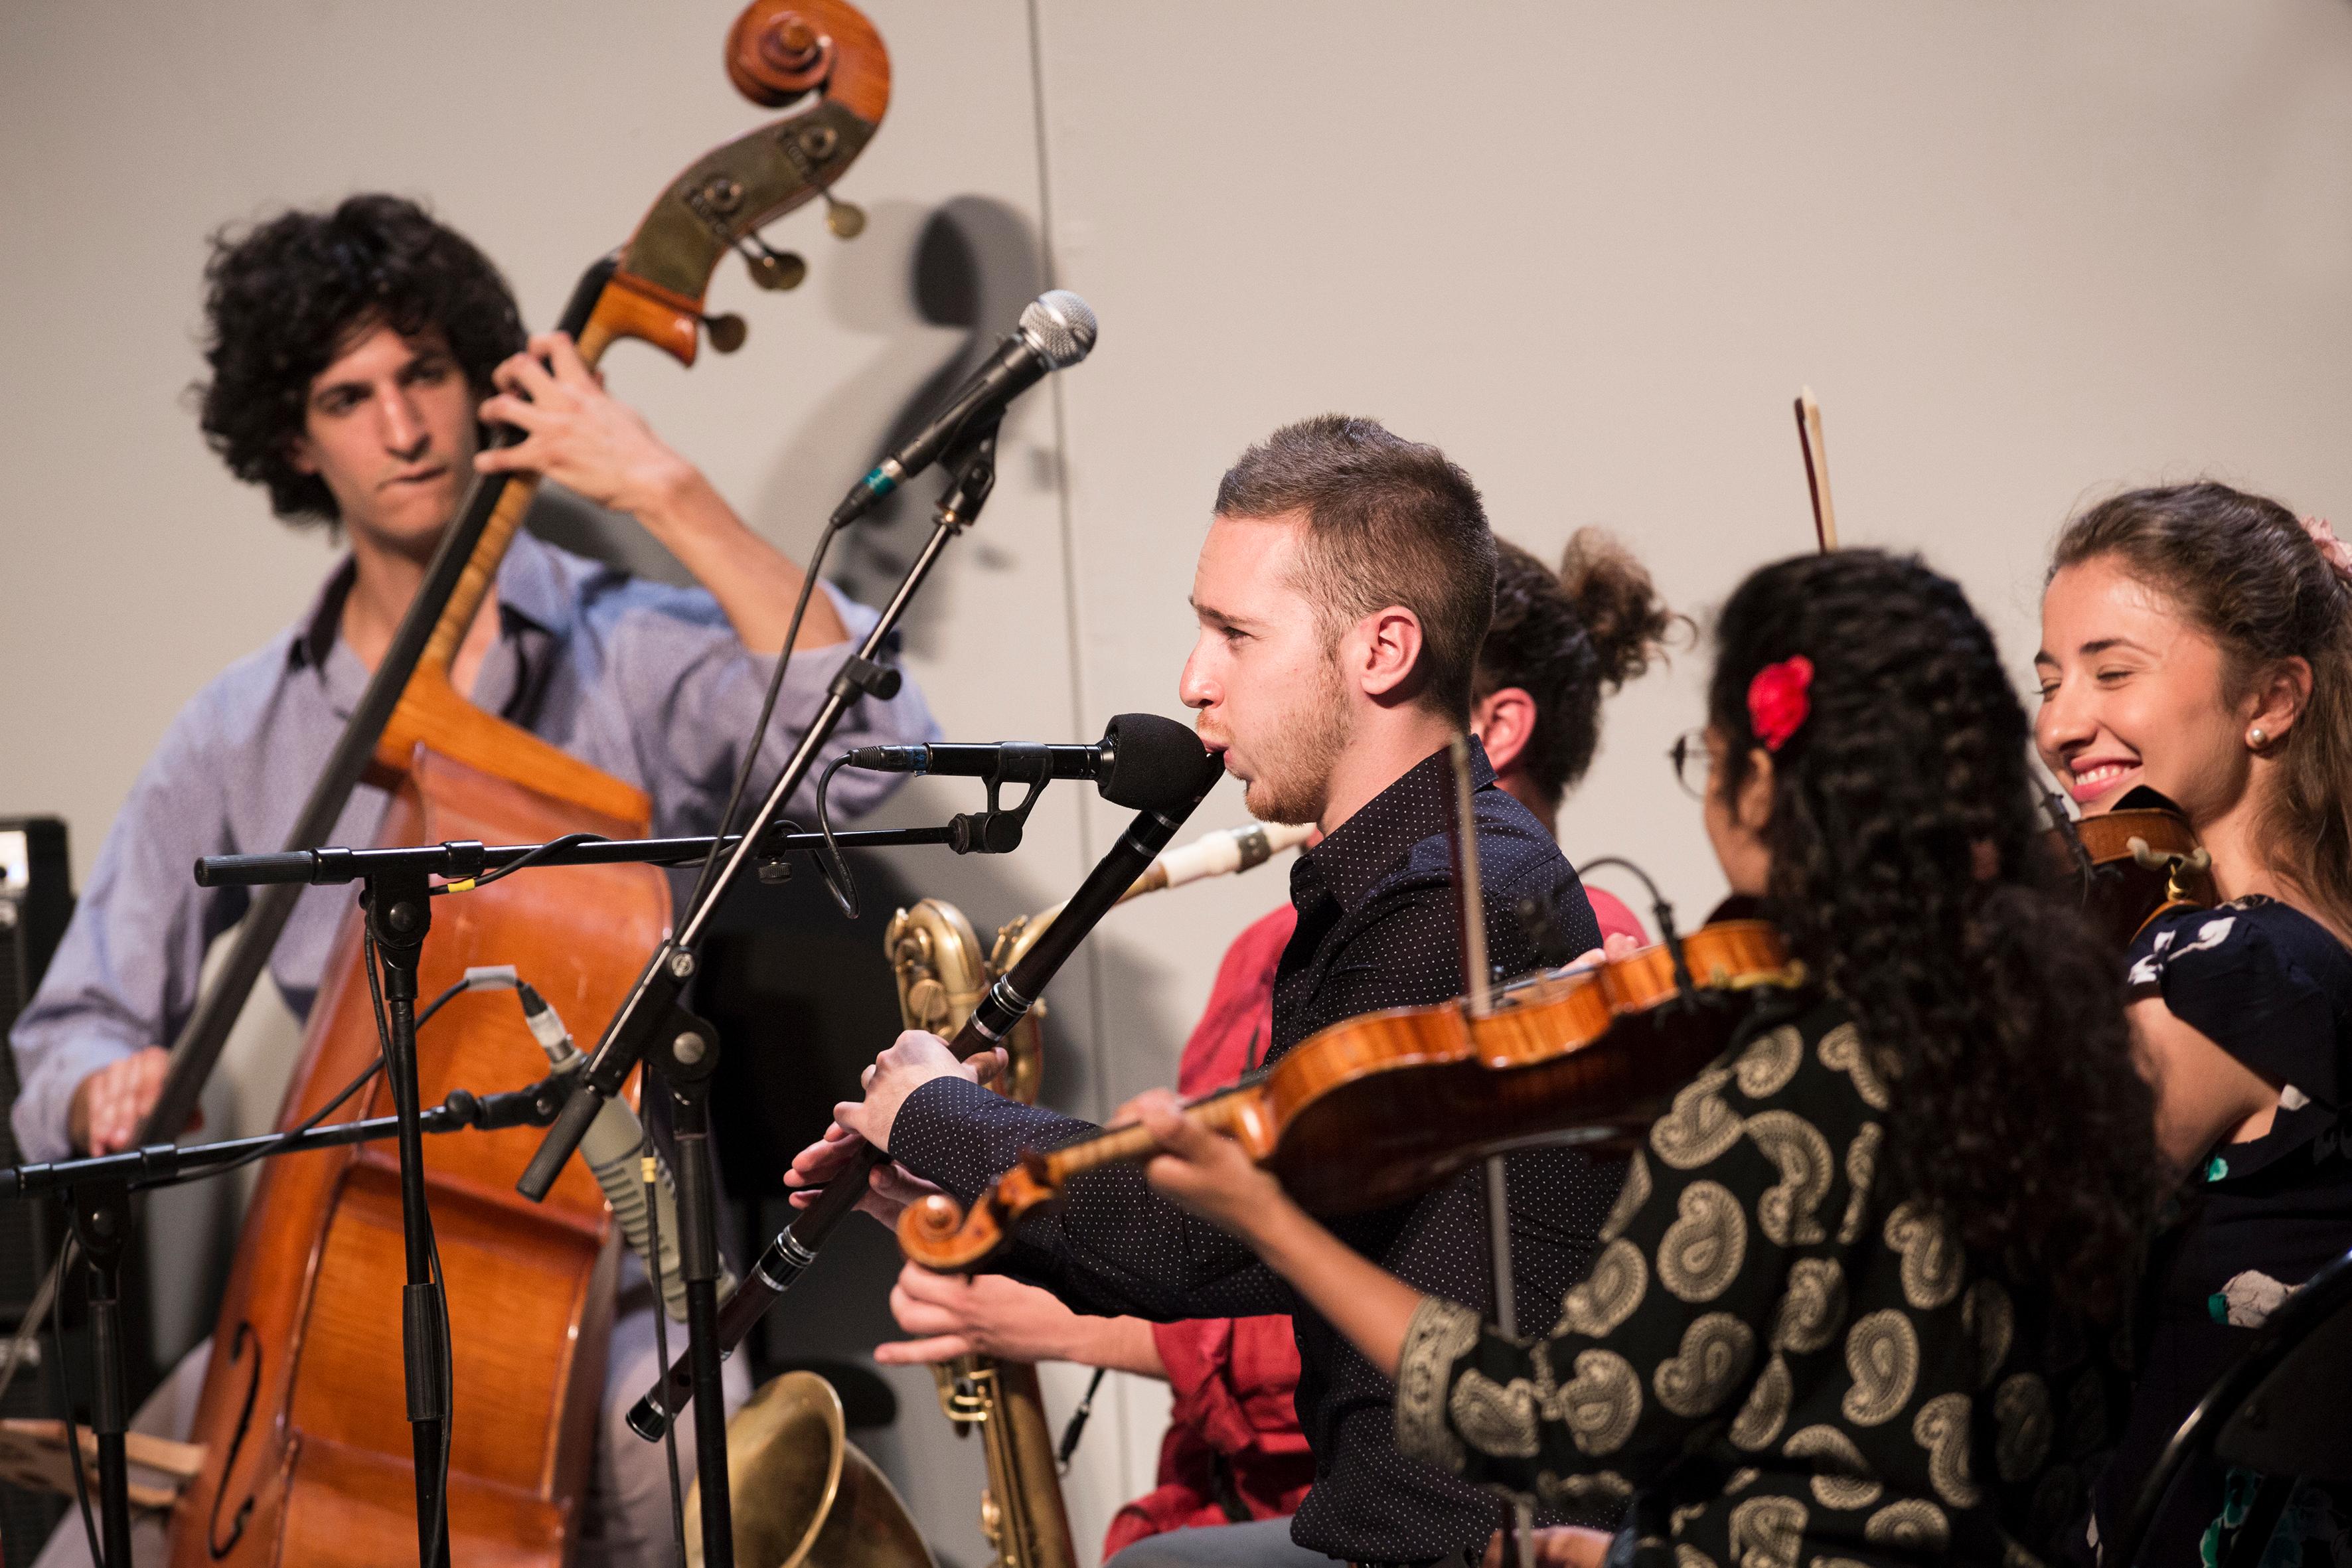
(1849, 1300)
(2197, 640)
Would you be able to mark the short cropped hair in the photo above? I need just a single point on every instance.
(283, 298)
(1389, 521)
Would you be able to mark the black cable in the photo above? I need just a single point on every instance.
(342, 1094)
(448, 1365)
(830, 865)
(760, 730)
(73, 1433)
(537, 852)
(645, 1153)
(1076, 1428)
(442, 1001)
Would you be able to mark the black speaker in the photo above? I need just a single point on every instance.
(35, 901)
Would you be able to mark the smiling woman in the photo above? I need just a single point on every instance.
(2199, 640)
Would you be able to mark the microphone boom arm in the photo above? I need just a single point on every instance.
(1014, 992)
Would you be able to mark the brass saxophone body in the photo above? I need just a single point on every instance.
(941, 976)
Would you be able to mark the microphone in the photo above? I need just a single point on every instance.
(612, 1147)
(1181, 788)
(1143, 761)
(1056, 332)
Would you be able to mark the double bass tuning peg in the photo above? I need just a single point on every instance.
(846, 219)
(771, 269)
(726, 332)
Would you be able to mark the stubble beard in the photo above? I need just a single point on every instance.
(1296, 780)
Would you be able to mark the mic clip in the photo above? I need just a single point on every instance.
(862, 676)
(996, 829)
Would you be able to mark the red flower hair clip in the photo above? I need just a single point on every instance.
(1778, 700)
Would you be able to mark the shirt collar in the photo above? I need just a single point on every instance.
(1356, 856)
(315, 637)
(530, 589)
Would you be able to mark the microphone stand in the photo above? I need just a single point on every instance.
(397, 895)
(399, 911)
(794, 1248)
(652, 1025)
(97, 1192)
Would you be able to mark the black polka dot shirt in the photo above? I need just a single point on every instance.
(1377, 927)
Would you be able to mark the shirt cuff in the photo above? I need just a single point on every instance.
(41, 1118)
(960, 1137)
(1441, 1334)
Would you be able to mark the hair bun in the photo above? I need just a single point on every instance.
(1629, 624)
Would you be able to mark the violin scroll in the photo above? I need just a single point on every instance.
(938, 1233)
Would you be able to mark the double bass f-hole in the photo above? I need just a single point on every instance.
(218, 1547)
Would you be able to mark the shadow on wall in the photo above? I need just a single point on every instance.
(803, 998)
(970, 264)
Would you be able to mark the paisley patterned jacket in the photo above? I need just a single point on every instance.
(1775, 1366)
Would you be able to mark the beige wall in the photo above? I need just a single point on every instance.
(2025, 252)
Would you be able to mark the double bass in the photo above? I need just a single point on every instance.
(303, 1413)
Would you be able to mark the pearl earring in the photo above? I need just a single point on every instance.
(2257, 737)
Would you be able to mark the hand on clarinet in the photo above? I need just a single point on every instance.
(912, 1060)
(987, 1314)
(1617, 944)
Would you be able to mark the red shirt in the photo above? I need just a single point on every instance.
(1233, 1451)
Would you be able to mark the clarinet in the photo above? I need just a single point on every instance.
(1007, 1002)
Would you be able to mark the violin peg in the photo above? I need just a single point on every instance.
(726, 332)
(846, 219)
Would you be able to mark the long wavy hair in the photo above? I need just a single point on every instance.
(1909, 873)
(2244, 568)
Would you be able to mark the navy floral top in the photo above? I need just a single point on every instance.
(1773, 1363)
(2272, 987)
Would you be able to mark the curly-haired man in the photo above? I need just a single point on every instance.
(356, 356)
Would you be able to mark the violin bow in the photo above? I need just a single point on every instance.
(1478, 992)
(1462, 836)
(1817, 469)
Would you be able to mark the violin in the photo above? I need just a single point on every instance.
(1378, 1108)
(2134, 863)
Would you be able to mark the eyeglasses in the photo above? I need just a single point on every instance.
(1692, 762)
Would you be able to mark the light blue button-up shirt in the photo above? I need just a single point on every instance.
(644, 680)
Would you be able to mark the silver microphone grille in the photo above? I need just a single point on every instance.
(1060, 326)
